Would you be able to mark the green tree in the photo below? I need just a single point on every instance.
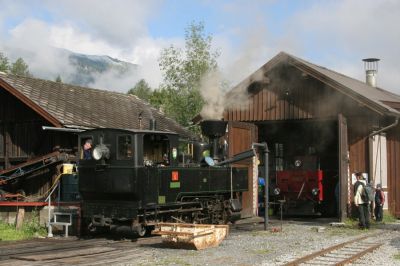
(182, 73)
(157, 99)
(141, 90)
(20, 68)
(4, 65)
(58, 79)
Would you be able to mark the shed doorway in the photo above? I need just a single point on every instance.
(304, 165)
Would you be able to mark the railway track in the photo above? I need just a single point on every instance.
(340, 254)
(70, 252)
(73, 251)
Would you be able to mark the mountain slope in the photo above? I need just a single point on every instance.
(88, 68)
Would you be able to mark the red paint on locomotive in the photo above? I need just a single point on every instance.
(299, 184)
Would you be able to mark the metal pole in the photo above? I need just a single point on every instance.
(264, 145)
(49, 228)
(59, 195)
(231, 184)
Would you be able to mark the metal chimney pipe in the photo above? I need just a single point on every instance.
(153, 124)
(371, 70)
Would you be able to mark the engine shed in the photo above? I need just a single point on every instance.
(315, 119)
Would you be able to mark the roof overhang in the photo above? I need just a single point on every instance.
(368, 103)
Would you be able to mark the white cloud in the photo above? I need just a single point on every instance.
(118, 22)
(146, 53)
(335, 34)
(344, 32)
(70, 38)
(116, 29)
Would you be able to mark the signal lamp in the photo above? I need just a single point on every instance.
(298, 163)
(277, 191)
(101, 151)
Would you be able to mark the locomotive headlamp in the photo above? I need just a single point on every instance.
(297, 163)
(101, 151)
(277, 191)
(315, 191)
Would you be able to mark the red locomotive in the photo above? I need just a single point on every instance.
(302, 188)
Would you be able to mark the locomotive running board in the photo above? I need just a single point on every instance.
(191, 236)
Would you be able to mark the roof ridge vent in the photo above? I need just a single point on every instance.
(371, 70)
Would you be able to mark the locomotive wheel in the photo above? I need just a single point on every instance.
(144, 231)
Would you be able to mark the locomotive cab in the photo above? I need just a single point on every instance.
(140, 148)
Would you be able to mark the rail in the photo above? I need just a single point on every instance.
(340, 254)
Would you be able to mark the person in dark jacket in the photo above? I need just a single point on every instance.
(379, 201)
(87, 149)
(361, 204)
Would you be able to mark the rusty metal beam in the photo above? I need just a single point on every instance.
(34, 204)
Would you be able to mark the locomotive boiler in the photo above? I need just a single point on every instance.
(137, 178)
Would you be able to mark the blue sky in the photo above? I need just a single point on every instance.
(335, 34)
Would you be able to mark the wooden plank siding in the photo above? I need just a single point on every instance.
(247, 134)
(393, 149)
(21, 134)
(359, 156)
(271, 104)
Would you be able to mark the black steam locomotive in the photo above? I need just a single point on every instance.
(136, 178)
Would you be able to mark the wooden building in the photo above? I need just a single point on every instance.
(38, 116)
(301, 108)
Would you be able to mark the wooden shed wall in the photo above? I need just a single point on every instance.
(19, 130)
(393, 148)
(307, 99)
(21, 134)
(311, 99)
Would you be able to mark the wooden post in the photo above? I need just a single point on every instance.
(20, 217)
(7, 145)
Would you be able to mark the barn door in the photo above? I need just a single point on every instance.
(344, 197)
(240, 138)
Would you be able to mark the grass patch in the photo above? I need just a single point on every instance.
(396, 256)
(351, 223)
(30, 229)
(344, 231)
(260, 233)
(261, 251)
(173, 261)
(388, 218)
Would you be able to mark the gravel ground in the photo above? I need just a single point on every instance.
(249, 244)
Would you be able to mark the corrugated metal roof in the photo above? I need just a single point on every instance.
(75, 106)
(379, 99)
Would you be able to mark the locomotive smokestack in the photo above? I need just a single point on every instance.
(213, 129)
(371, 70)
